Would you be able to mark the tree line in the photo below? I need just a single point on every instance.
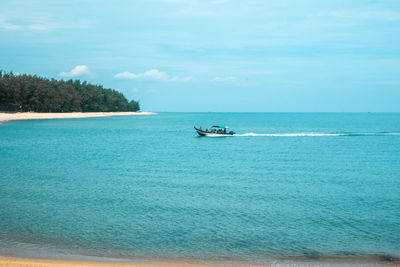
(32, 93)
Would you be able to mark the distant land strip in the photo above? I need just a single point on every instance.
(26, 93)
(7, 116)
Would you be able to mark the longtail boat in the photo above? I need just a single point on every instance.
(214, 131)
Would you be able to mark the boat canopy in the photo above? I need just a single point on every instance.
(221, 127)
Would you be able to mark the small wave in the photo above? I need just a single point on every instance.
(317, 134)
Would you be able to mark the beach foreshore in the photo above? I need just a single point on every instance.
(333, 262)
(4, 116)
(20, 262)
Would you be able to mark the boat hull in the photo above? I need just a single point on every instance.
(204, 133)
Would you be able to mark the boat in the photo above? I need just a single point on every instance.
(214, 131)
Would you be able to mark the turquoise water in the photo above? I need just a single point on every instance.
(289, 184)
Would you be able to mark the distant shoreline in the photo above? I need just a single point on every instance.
(4, 116)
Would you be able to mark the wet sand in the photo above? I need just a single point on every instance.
(69, 115)
(331, 262)
(19, 262)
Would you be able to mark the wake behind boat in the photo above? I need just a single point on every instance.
(214, 131)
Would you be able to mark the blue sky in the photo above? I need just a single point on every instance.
(215, 55)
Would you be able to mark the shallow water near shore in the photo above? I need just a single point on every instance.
(287, 185)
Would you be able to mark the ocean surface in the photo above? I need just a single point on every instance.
(287, 185)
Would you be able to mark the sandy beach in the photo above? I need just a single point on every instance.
(71, 115)
(19, 262)
(355, 262)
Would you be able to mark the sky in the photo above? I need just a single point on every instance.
(215, 55)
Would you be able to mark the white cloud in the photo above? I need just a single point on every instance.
(176, 1)
(32, 18)
(153, 74)
(10, 27)
(223, 79)
(191, 2)
(221, 1)
(27, 23)
(79, 70)
(126, 75)
(151, 91)
(195, 8)
(183, 79)
(363, 14)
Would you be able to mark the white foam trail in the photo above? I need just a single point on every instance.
(219, 135)
(316, 134)
(305, 134)
(392, 134)
(289, 134)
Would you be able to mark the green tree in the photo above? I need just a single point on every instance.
(33, 93)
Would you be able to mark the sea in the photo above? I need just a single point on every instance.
(286, 188)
